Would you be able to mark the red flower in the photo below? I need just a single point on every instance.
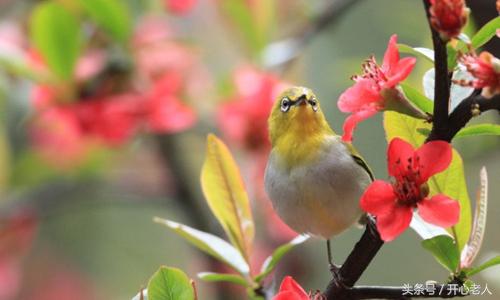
(112, 119)
(375, 87)
(164, 111)
(448, 17)
(291, 290)
(393, 204)
(486, 71)
(244, 119)
(180, 7)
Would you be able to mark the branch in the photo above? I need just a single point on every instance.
(281, 54)
(462, 114)
(356, 263)
(442, 78)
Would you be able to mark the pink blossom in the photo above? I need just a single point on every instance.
(375, 87)
(485, 69)
(180, 7)
(243, 119)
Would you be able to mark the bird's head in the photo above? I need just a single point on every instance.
(297, 113)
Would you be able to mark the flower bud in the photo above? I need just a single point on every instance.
(448, 17)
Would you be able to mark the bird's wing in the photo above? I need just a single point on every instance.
(359, 160)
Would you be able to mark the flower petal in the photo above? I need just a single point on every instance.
(433, 157)
(167, 114)
(290, 285)
(400, 71)
(391, 56)
(379, 198)
(364, 92)
(288, 295)
(351, 122)
(393, 224)
(399, 153)
(440, 210)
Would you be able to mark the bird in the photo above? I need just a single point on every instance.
(313, 178)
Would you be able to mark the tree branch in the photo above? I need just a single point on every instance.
(462, 114)
(356, 263)
(281, 54)
(442, 79)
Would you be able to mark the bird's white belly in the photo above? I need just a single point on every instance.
(320, 197)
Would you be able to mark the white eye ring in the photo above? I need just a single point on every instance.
(285, 104)
(314, 104)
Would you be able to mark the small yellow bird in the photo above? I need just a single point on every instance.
(313, 178)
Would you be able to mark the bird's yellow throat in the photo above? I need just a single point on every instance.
(297, 126)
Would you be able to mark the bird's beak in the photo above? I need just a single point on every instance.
(301, 101)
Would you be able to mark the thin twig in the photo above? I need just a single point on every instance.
(280, 55)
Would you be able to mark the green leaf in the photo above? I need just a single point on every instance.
(421, 101)
(112, 15)
(480, 129)
(170, 284)
(405, 127)
(452, 57)
(473, 246)
(425, 53)
(217, 277)
(485, 33)
(424, 131)
(241, 16)
(209, 244)
(56, 34)
(490, 263)
(226, 196)
(443, 248)
(271, 262)
(264, 16)
(450, 182)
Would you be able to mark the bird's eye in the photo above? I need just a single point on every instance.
(314, 104)
(285, 104)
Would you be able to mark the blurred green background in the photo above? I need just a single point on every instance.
(95, 220)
